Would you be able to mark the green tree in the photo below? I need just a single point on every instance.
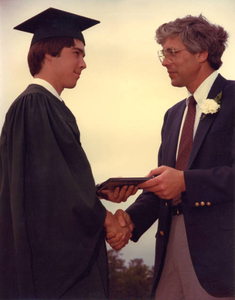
(129, 283)
(116, 271)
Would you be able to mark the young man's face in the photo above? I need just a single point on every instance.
(184, 67)
(67, 68)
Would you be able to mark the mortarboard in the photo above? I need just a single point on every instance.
(53, 23)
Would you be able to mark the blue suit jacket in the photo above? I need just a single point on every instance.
(208, 202)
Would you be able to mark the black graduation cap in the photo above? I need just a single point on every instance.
(54, 22)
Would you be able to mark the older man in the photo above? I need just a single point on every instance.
(192, 193)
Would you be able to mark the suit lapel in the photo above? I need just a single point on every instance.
(174, 135)
(205, 124)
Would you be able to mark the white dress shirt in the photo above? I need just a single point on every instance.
(200, 95)
(47, 86)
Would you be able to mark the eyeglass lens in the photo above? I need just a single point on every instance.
(169, 54)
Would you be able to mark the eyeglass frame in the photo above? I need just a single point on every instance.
(162, 54)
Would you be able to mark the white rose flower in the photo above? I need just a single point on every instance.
(209, 106)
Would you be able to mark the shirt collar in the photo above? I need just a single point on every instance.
(47, 86)
(203, 90)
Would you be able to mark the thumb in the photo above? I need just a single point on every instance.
(156, 171)
(120, 217)
(122, 221)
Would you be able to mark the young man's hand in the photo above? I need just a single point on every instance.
(118, 195)
(118, 240)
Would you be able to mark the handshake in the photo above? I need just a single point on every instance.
(118, 229)
(165, 182)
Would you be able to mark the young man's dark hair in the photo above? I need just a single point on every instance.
(52, 46)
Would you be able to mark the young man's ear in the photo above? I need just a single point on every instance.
(48, 57)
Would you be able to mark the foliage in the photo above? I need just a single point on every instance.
(129, 283)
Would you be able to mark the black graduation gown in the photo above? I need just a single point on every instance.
(51, 221)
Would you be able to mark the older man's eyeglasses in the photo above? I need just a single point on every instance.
(169, 54)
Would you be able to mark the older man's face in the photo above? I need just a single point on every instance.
(183, 67)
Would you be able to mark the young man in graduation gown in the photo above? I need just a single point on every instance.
(51, 220)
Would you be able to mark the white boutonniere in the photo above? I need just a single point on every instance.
(210, 106)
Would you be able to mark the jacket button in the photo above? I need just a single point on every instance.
(161, 233)
(208, 203)
(196, 204)
(202, 203)
(166, 204)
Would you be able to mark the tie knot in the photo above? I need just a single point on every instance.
(191, 100)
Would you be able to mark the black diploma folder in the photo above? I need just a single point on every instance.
(112, 183)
